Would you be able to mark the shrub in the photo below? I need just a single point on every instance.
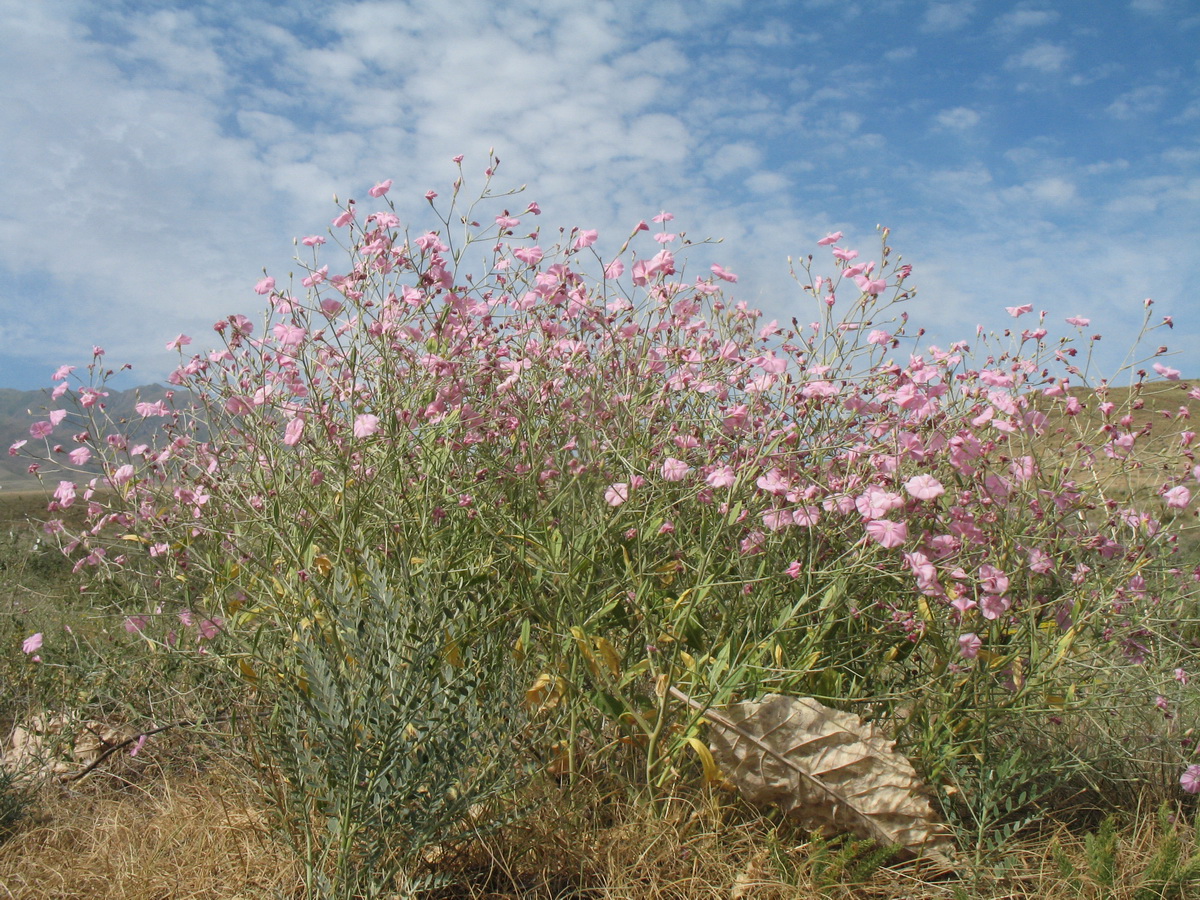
(654, 488)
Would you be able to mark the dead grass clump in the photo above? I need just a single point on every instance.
(189, 837)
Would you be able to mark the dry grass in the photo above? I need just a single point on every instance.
(172, 830)
(184, 836)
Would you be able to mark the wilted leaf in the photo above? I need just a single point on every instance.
(827, 769)
(545, 693)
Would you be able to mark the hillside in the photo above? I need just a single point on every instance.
(20, 409)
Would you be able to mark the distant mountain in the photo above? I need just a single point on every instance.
(20, 409)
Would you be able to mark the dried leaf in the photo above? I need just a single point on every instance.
(827, 769)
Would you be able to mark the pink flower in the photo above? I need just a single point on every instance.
(122, 475)
(138, 745)
(795, 569)
(773, 482)
(614, 270)
(136, 624)
(777, 519)
(875, 502)
(40, 429)
(806, 516)
(586, 238)
(830, 239)
(157, 408)
(675, 469)
(1181, 676)
(291, 434)
(65, 493)
(179, 342)
(870, 285)
(289, 335)
(265, 286)
(1178, 497)
(1166, 372)
(993, 606)
(1190, 779)
(969, 645)
(208, 628)
(723, 274)
(529, 255)
(722, 477)
(1017, 311)
(616, 494)
(79, 456)
(924, 487)
(344, 219)
(365, 425)
(62, 372)
(380, 189)
(1079, 321)
(312, 240)
(1040, 561)
(887, 533)
(33, 643)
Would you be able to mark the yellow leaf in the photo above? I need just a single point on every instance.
(546, 692)
(712, 773)
(924, 610)
(609, 653)
(688, 659)
(661, 684)
(582, 643)
(778, 656)
(247, 671)
(453, 652)
(322, 565)
(682, 599)
(1064, 645)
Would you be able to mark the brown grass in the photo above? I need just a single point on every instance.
(183, 836)
(167, 828)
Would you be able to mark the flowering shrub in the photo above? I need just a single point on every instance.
(660, 489)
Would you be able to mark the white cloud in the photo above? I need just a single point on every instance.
(767, 183)
(958, 119)
(731, 158)
(899, 54)
(152, 198)
(1138, 102)
(772, 34)
(1020, 19)
(947, 16)
(1044, 57)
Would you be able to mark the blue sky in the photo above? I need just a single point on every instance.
(155, 157)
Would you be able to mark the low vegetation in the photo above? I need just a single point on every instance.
(484, 569)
